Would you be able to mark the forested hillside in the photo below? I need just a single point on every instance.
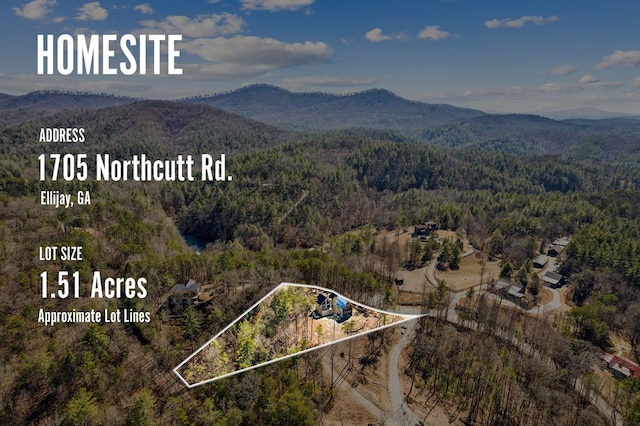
(307, 207)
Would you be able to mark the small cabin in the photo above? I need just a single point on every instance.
(343, 309)
(517, 291)
(562, 242)
(540, 261)
(554, 250)
(553, 279)
(324, 306)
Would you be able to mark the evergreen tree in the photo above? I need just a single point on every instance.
(506, 271)
(142, 411)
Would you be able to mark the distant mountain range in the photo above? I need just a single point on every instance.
(57, 101)
(160, 127)
(275, 105)
(609, 139)
(586, 113)
(374, 109)
(14, 109)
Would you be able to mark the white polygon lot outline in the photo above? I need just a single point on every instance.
(262, 364)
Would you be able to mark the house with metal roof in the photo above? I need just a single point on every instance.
(553, 279)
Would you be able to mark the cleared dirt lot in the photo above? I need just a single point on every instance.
(469, 273)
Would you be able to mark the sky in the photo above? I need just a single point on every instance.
(498, 56)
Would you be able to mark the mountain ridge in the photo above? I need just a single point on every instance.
(377, 110)
(584, 114)
(324, 111)
(57, 100)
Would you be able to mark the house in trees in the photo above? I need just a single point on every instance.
(540, 261)
(343, 309)
(425, 229)
(621, 367)
(324, 305)
(332, 305)
(516, 290)
(553, 279)
(183, 295)
(554, 250)
(191, 288)
(562, 242)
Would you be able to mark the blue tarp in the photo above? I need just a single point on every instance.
(341, 303)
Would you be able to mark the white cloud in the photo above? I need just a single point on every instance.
(376, 36)
(604, 85)
(36, 9)
(302, 82)
(589, 79)
(255, 54)
(92, 12)
(274, 5)
(58, 19)
(555, 88)
(564, 69)
(433, 32)
(200, 26)
(520, 22)
(620, 57)
(144, 8)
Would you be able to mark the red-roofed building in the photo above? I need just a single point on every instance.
(621, 367)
